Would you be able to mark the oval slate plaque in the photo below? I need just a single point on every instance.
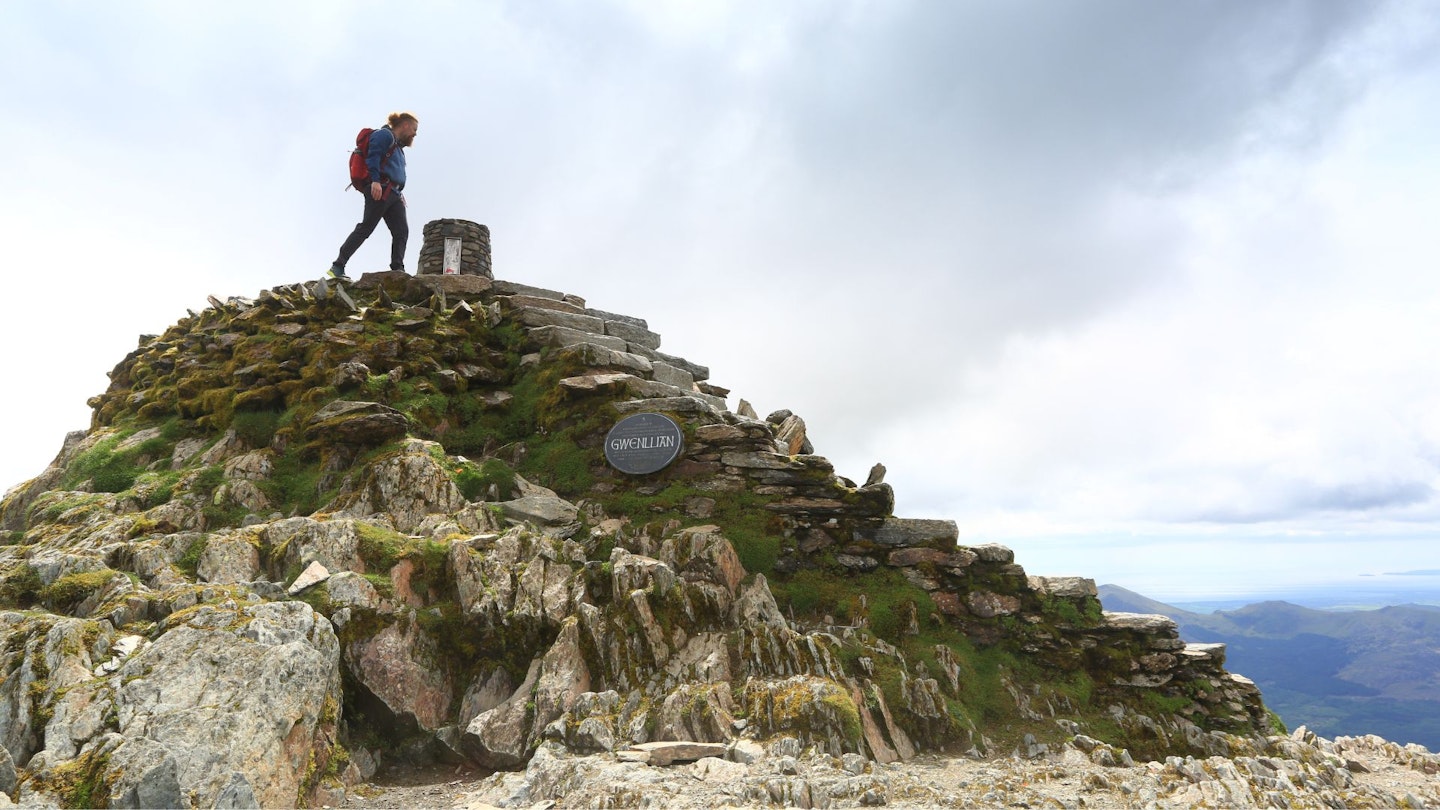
(643, 443)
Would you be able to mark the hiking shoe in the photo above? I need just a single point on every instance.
(337, 273)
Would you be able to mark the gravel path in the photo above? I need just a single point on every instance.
(1294, 772)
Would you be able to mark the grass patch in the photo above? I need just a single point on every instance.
(476, 480)
(753, 530)
(81, 782)
(382, 549)
(189, 562)
(152, 489)
(256, 428)
(208, 480)
(888, 599)
(21, 586)
(294, 484)
(72, 589)
(105, 469)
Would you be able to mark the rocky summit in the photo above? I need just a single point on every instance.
(330, 530)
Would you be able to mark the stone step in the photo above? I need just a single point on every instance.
(597, 356)
(611, 316)
(638, 335)
(562, 336)
(502, 287)
(535, 316)
(638, 387)
(511, 303)
(697, 371)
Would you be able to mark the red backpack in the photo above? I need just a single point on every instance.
(359, 172)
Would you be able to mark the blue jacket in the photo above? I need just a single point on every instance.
(394, 169)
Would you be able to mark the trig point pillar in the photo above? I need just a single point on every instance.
(456, 247)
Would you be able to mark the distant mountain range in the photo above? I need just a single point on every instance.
(1336, 672)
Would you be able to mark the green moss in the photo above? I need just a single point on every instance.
(105, 469)
(63, 506)
(208, 480)
(221, 517)
(82, 782)
(428, 408)
(383, 584)
(294, 484)
(1066, 613)
(318, 598)
(189, 562)
(565, 465)
(256, 427)
(1277, 726)
(151, 489)
(751, 529)
(1161, 704)
(71, 589)
(888, 599)
(20, 586)
(812, 594)
(382, 549)
(475, 480)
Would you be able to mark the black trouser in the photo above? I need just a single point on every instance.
(391, 208)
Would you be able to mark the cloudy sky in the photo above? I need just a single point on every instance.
(1146, 291)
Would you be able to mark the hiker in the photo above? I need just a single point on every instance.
(385, 159)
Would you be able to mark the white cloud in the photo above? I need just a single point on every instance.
(1106, 270)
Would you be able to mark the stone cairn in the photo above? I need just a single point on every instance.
(474, 247)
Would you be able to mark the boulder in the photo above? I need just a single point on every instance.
(365, 424)
(1144, 623)
(755, 605)
(564, 677)
(671, 375)
(661, 754)
(536, 317)
(348, 589)
(334, 544)
(9, 779)
(702, 554)
(637, 335)
(817, 709)
(1064, 587)
(499, 738)
(313, 575)
(791, 434)
(226, 689)
(229, 558)
(406, 486)
(558, 336)
(546, 510)
(396, 665)
(702, 712)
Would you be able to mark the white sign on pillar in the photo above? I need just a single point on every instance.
(452, 256)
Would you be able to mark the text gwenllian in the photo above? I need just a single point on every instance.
(642, 443)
